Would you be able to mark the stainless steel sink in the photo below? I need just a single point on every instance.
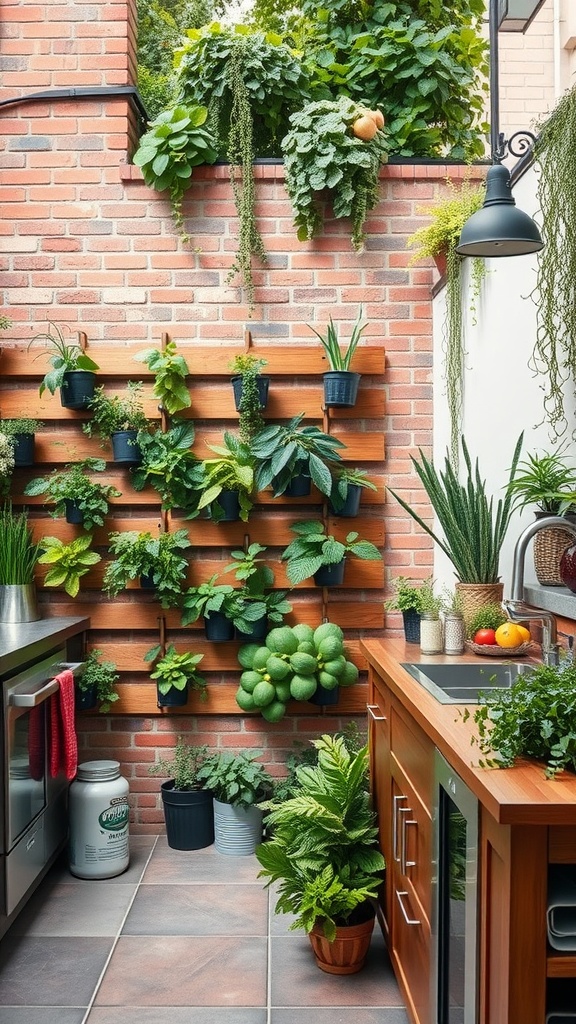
(461, 684)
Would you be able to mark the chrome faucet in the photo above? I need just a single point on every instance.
(516, 607)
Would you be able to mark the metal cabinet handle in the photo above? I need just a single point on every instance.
(372, 709)
(409, 920)
(32, 700)
(404, 864)
(395, 812)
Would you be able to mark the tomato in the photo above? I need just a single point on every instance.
(485, 636)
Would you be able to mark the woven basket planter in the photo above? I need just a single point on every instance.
(475, 595)
(548, 548)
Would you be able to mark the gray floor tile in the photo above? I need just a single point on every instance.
(198, 909)
(60, 909)
(42, 1014)
(339, 1015)
(50, 971)
(180, 1015)
(168, 866)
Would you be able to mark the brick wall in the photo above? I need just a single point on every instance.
(85, 243)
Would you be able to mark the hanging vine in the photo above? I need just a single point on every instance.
(554, 354)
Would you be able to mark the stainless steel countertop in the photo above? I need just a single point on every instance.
(22, 642)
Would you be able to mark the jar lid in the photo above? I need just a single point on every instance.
(98, 771)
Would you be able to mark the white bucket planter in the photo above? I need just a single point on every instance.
(237, 830)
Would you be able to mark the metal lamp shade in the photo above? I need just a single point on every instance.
(499, 228)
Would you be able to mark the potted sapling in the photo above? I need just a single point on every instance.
(340, 383)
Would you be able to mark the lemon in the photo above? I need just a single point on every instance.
(508, 635)
(524, 633)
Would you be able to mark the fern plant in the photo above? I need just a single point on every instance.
(324, 851)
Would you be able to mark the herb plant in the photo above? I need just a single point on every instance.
(20, 426)
(185, 766)
(72, 484)
(175, 671)
(140, 554)
(170, 371)
(206, 598)
(314, 548)
(169, 466)
(18, 550)
(345, 477)
(542, 480)
(111, 414)
(255, 598)
(248, 367)
(490, 616)
(339, 358)
(231, 470)
(68, 562)
(535, 718)
(236, 779)
(407, 595)
(6, 461)
(283, 452)
(65, 357)
(101, 676)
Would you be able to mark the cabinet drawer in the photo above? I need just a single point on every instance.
(410, 954)
(414, 752)
(411, 844)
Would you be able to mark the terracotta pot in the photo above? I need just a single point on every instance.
(347, 953)
(440, 259)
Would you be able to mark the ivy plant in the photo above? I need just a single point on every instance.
(321, 152)
(170, 371)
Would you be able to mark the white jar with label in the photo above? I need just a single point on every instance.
(99, 814)
(431, 638)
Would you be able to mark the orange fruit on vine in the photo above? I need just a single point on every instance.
(364, 128)
(508, 635)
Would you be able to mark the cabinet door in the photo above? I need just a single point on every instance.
(379, 746)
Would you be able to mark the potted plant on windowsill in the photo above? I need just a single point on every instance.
(188, 807)
(73, 372)
(76, 496)
(318, 554)
(158, 562)
(346, 492)
(96, 684)
(288, 456)
(473, 527)
(238, 782)
(22, 436)
(175, 675)
(340, 383)
(324, 856)
(547, 481)
(118, 419)
(18, 556)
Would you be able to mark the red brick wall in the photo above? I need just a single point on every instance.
(85, 243)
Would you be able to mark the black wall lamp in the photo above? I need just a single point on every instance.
(500, 228)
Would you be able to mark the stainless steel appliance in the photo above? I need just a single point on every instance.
(33, 818)
(454, 899)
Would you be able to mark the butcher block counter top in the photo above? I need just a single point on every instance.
(521, 795)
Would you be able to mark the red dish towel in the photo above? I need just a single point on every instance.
(63, 743)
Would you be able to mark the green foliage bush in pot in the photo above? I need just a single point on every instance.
(76, 496)
(284, 452)
(141, 555)
(118, 418)
(6, 462)
(250, 394)
(22, 435)
(231, 471)
(347, 485)
(73, 372)
(175, 674)
(314, 551)
(168, 464)
(96, 684)
(68, 562)
(238, 783)
(324, 849)
(257, 606)
(188, 807)
(170, 370)
(214, 601)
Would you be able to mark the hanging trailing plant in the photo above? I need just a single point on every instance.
(554, 354)
(439, 238)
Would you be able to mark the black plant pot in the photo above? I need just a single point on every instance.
(73, 513)
(124, 447)
(351, 506)
(411, 621)
(77, 389)
(229, 502)
(189, 817)
(218, 628)
(340, 388)
(23, 450)
(330, 575)
(173, 699)
(262, 383)
(258, 632)
(147, 581)
(299, 487)
(325, 698)
(85, 700)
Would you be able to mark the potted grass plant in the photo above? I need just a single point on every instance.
(73, 372)
(19, 554)
(238, 782)
(76, 496)
(323, 856)
(170, 372)
(188, 806)
(340, 383)
(22, 436)
(314, 553)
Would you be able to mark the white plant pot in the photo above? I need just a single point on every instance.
(237, 830)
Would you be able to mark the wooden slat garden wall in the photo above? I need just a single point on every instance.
(124, 628)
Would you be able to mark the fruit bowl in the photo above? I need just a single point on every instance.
(495, 651)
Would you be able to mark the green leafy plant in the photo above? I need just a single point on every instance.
(169, 465)
(536, 718)
(321, 152)
(248, 368)
(236, 779)
(170, 371)
(546, 481)
(111, 414)
(291, 664)
(338, 357)
(324, 851)
(232, 470)
(185, 766)
(344, 477)
(314, 548)
(65, 357)
(178, 141)
(175, 671)
(490, 616)
(440, 237)
(407, 595)
(206, 598)
(255, 599)
(283, 452)
(68, 562)
(25, 425)
(6, 462)
(72, 484)
(18, 550)
(305, 754)
(473, 529)
(159, 558)
(431, 604)
(102, 677)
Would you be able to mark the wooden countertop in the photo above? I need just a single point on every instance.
(518, 795)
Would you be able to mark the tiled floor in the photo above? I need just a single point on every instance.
(180, 938)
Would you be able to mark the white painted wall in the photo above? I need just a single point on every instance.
(501, 395)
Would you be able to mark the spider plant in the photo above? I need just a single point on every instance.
(340, 358)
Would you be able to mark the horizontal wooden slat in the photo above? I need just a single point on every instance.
(218, 657)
